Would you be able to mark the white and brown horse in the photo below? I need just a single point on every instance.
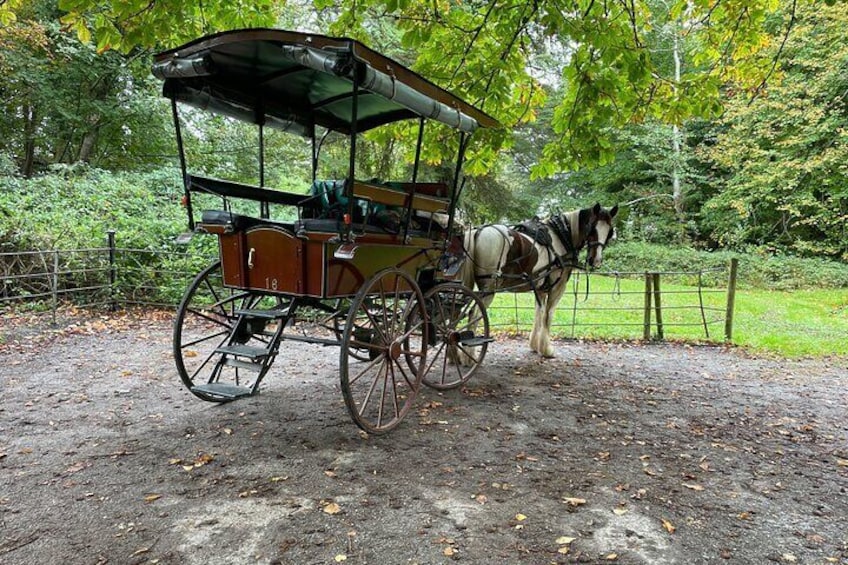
(537, 255)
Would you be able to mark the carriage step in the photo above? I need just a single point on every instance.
(222, 390)
(472, 341)
(269, 314)
(252, 353)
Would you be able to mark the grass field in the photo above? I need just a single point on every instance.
(791, 324)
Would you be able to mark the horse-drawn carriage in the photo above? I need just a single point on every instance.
(371, 263)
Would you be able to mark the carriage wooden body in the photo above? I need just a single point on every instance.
(381, 292)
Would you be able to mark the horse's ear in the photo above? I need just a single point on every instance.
(596, 209)
(614, 211)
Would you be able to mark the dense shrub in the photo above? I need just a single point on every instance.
(73, 208)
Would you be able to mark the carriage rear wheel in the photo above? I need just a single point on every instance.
(386, 326)
(459, 335)
(224, 339)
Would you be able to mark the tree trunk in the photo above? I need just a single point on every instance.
(677, 191)
(87, 146)
(28, 157)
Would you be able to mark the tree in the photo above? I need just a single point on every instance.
(779, 163)
(64, 103)
(483, 50)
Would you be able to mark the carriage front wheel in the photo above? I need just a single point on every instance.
(385, 327)
(224, 339)
(459, 335)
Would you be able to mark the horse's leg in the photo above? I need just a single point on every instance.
(535, 335)
(554, 296)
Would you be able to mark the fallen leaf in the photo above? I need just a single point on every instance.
(520, 517)
(789, 558)
(340, 557)
(611, 556)
(449, 551)
(189, 353)
(203, 459)
(565, 540)
(619, 511)
(76, 467)
(332, 508)
(330, 474)
(481, 498)
(693, 486)
(279, 479)
(842, 462)
(563, 550)
(152, 497)
(574, 501)
(175, 461)
(668, 526)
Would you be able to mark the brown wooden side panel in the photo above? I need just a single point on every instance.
(233, 258)
(345, 276)
(273, 260)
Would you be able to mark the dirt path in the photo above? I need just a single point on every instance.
(660, 454)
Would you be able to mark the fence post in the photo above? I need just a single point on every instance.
(113, 274)
(646, 334)
(55, 284)
(731, 300)
(658, 305)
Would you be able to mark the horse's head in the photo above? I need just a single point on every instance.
(603, 232)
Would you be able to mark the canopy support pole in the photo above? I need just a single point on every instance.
(183, 170)
(456, 190)
(351, 175)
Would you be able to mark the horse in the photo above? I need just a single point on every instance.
(537, 255)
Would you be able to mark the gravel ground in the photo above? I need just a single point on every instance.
(609, 453)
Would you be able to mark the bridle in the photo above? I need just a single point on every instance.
(593, 241)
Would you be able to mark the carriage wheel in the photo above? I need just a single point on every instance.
(386, 325)
(207, 320)
(459, 335)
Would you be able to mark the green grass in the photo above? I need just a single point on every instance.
(791, 324)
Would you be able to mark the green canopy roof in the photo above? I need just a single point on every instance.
(295, 81)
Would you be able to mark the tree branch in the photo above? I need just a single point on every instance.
(789, 26)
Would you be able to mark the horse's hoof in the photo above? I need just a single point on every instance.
(549, 354)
